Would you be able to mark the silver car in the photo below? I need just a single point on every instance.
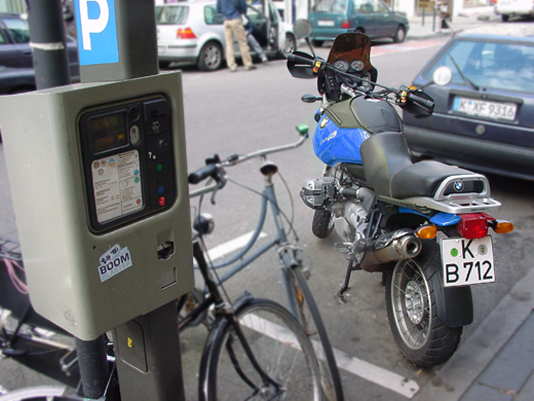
(192, 32)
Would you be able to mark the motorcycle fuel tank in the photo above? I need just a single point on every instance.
(333, 144)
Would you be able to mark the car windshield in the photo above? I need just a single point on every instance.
(171, 15)
(18, 29)
(331, 6)
(497, 65)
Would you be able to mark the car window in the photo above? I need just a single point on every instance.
(490, 64)
(331, 6)
(381, 7)
(211, 17)
(3, 40)
(364, 6)
(254, 15)
(171, 15)
(18, 29)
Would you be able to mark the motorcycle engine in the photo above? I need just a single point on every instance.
(351, 219)
(319, 193)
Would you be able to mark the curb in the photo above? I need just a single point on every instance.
(477, 352)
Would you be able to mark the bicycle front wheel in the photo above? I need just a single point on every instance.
(283, 366)
(310, 319)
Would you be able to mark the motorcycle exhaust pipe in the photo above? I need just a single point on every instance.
(402, 245)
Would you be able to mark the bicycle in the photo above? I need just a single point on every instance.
(300, 299)
(263, 367)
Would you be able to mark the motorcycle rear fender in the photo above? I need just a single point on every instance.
(454, 304)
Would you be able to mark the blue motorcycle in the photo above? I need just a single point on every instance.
(424, 225)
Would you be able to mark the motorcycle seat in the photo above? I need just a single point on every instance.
(390, 171)
(422, 178)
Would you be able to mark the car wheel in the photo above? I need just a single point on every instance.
(505, 17)
(290, 45)
(400, 35)
(210, 57)
(317, 43)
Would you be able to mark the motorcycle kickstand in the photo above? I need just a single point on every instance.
(352, 266)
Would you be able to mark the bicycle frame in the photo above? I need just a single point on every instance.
(242, 259)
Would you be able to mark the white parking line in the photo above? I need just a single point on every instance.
(233, 245)
(366, 370)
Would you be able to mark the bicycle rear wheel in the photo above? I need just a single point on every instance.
(310, 318)
(280, 347)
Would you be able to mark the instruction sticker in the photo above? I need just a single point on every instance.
(114, 261)
(117, 185)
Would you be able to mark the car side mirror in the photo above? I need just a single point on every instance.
(302, 29)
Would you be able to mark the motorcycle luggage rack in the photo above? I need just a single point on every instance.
(454, 203)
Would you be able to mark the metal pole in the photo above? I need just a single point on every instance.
(423, 17)
(92, 362)
(434, 18)
(47, 35)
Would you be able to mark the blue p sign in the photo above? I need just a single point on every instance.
(96, 31)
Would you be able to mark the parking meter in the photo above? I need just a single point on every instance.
(98, 179)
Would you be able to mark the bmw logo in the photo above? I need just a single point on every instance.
(458, 186)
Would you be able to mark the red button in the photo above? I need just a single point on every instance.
(162, 201)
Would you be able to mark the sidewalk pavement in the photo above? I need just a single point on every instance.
(496, 363)
(428, 27)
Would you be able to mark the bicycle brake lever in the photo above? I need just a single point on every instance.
(212, 198)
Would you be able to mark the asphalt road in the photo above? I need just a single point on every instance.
(241, 112)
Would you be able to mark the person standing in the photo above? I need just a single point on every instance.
(233, 10)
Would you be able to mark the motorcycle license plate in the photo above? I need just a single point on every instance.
(467, 261)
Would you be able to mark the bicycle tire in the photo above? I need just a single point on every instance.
(219, 378)
(309, 315)
(39, 393)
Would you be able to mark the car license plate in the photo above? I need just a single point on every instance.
(483, 108)
(325, 23)
(467, 261)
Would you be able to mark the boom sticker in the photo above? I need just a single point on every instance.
(114, 261)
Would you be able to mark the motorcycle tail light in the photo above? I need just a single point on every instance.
(185, 33)
(474, 225)
(345, 24)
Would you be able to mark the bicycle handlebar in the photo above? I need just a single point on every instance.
(216, 170)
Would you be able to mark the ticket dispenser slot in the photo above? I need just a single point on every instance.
(128, 158)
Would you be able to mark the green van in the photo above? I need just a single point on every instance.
(329, 18)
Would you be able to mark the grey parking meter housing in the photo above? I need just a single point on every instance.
(98, 176)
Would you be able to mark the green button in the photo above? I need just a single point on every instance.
(159, 167)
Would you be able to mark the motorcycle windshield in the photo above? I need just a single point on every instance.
(352, 47)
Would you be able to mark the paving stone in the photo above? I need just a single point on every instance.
(515, 362)
(478, 392)
(527, 392)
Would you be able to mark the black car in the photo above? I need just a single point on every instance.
(15, 50)
(484, 114)
(15, 80)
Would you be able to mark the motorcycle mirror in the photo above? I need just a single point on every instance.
(302, 28)
(310, 98)
(442, 76)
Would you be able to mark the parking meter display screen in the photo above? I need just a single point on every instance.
(117, 185)
(108, 132)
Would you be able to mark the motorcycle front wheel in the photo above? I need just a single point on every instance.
(421, 336)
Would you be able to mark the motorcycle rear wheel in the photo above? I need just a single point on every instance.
(422, 337)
